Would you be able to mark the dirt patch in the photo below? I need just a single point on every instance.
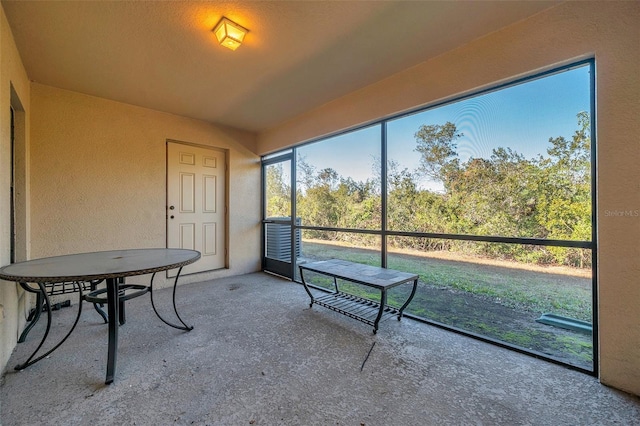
(486, 316)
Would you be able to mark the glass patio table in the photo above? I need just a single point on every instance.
(110, 266)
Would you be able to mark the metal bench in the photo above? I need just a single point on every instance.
(361, 309)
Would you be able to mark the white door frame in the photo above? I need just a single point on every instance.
(226, 197)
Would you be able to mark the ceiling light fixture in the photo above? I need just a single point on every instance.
(229, 34)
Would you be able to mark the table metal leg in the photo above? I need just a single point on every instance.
(304, 283)
(413, 293)
(122, 313)
(30, 360)
(184, 325)
(35, 314)
(112, 306)
(383, 302)
(122, 317)
(33, 318)
(96, 306)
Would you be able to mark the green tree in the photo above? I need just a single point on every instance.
(565, 196)
(402, 199)
(278, 191)
(503, 195)
(437, 147)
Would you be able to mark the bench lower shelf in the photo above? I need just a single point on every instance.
(355, 307)
(361, 309)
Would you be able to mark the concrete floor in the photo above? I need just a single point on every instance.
(259, 356)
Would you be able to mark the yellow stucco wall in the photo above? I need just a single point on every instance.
(98, 178)
(14, 92)
(608, 31)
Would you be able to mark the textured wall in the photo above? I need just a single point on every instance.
(14, 91)
(573, 30)
(99, 178)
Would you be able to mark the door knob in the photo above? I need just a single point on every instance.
(171, 207)
(172, 216)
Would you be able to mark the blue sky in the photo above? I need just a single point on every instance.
(522, 117)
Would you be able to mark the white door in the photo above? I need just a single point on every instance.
(196, 204)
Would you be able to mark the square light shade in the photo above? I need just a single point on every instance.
(229, 34)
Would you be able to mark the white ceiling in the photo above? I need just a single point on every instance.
(297, 56)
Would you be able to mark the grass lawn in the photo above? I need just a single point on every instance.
(500, 301)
